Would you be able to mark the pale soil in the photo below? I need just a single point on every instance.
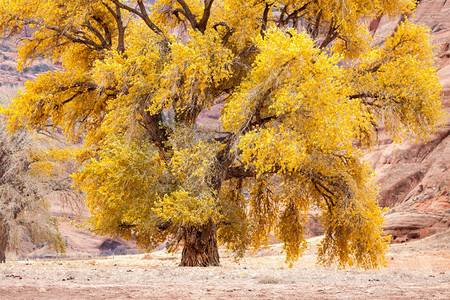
(417, 270)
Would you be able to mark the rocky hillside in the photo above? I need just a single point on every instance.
(8, 72)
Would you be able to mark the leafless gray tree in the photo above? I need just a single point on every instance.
(24, 211)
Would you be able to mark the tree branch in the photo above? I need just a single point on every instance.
(332, 34)
(86, 41)
(206, 14)
(292, 15)
(142, 14)
(121, 31)
(227, 35)
(157, 132)
(264, 19)
(106, 30)
(315, 30)
(364, 96)
(97, 33)
(188, 14)
(239, 172)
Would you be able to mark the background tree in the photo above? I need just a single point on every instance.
(30, 169)
(302, 90)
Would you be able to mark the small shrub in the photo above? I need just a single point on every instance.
(270, 279)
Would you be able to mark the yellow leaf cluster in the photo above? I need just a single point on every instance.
(399, 82)
(183, 208)
(122, 186)
(196, 69)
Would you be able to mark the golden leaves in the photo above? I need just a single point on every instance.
(398, 83)
(122, 186)
(196, 68)
(291, 231)
(183, 208)
(293, 103)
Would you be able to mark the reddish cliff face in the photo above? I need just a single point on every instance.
(414, 178)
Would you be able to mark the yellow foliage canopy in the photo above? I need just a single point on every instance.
(303, 89)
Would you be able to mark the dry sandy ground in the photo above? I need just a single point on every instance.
(417, 270)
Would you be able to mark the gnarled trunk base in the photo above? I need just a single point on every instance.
(200, 246)
(4, 234)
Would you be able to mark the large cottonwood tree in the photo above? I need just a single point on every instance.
(302, 89)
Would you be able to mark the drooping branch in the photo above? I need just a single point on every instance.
(324, 191)
(326, 197)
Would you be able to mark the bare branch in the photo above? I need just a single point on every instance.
(106, 30)
(81, 40)
(177, 13)
(292, 15)
(295, 13)
(315, 30)
(239, 172)
(121, 31)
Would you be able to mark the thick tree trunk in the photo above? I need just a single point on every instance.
(200, 246)
(4, 234)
